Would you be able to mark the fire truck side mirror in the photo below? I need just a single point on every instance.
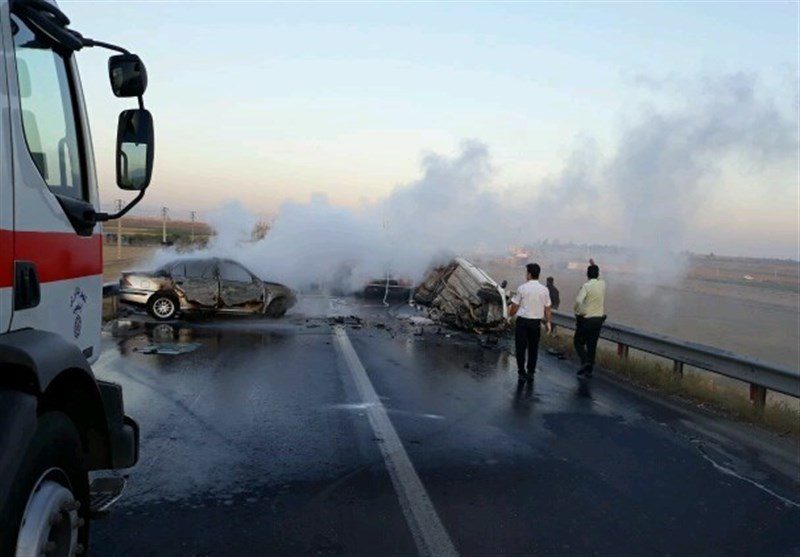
(134, 149)
(128, 75)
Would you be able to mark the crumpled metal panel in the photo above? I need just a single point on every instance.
(457, 297)
(235, 294)
(200, 291)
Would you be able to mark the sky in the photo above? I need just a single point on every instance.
(265, 103)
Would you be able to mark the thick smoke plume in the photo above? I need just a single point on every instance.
(645, 193)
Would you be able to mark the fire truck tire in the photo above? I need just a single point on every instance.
(48, 504)
(163, 306)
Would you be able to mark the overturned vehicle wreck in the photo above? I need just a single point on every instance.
(462, 295)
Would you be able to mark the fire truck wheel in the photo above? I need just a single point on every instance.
(163, 306)
(48, 504)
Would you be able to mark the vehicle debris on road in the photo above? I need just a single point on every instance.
(464, 296)
(350, 320)
(168, 348)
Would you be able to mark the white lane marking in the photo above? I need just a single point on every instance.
(429, 533)
(727, 471)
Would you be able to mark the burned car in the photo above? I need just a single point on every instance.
(208, 285)
(462, 295)
(388, 289)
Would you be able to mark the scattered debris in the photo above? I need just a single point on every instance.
(169, 348)
(557, 353)
(419, 320)
(462, 295)
(353, 321)
(489, 341)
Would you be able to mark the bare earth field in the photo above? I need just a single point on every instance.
(131, 259)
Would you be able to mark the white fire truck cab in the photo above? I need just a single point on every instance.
(57, 421)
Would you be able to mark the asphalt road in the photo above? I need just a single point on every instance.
(312, 435)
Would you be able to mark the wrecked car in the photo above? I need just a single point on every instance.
(388, 289)
(208, 285)
(462, 295)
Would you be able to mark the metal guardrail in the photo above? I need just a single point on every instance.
(760, 375)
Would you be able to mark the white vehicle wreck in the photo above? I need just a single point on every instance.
(464, 296)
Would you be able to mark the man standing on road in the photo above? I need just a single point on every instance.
(531, 304)
(589, 316)
(555, 298)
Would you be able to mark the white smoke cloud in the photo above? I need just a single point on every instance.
(668, 161)
(646, 193)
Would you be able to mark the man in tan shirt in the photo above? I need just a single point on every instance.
(589, 315)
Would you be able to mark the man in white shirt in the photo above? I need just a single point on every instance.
(531, 305)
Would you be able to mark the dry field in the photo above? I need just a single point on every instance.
(754, 318)
(132, 257)
(154, 224)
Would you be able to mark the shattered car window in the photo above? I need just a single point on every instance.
(233, 272)
(200, 269)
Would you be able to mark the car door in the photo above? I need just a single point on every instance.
(57, 260)
(199, 282)
(238, 286)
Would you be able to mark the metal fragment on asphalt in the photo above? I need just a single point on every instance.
(169, 348)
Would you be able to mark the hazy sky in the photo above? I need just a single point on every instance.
(265, 102)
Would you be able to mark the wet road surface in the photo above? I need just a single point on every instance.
(308, 435)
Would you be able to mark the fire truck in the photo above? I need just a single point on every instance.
(58, 422)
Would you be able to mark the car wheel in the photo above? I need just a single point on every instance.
(277, 307)
(163, 306)
(46, 512)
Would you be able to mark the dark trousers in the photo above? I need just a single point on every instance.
(526, 337)
(587, 333)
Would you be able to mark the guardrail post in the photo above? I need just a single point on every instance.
(622, 350)
(758, 395)
(677, 367)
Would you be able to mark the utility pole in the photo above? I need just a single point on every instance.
(119, 230)
(164, 211)
(192, 217)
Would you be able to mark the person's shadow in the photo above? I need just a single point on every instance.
(523, 397)
(583, 388)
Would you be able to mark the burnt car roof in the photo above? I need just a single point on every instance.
(209, 260)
